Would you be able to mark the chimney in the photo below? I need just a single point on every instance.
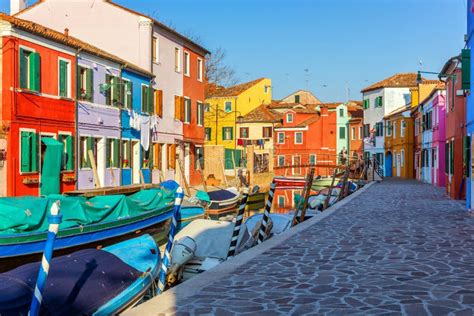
(66, 31)
(17, 6)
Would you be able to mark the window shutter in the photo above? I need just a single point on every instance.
(151, 105)
(122, 90)
(62, 78)
(35, 72)
(89, 146)
(181, 108)
(176, 107)
(466, 69)
(70, 152)
(467, 155)
(26, 152)
(23, 69)
(116, 91)
(159, 103)
(108, 152)
(89, 85)
(144, 98)
(452, 157)
(172, 156)
(446, 158)
(116, 153)
(34, 152)
(231, 133)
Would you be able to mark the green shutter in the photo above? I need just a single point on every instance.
(446, 157)
(151, 105)
(25, 152)
(23, 69)
(116, 153)
(34, 152)
(108, 154)
(144, 98)
(70, 152)
(62, 78)
(150, 156)
(89, 85)
(115, 91)
(35, 72)
(223, 133)
(231, 133)
(466, 69)
(89, 146)
(452, 158)
(129, 94)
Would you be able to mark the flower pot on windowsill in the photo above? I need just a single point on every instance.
(30, 180)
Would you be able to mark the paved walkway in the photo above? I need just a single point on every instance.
(400, 247)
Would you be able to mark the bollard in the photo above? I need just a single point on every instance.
(266, 214)
(165, 262)
(54, 220)
(238, 223)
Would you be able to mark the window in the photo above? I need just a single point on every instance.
(378, 101)
(265, 89)
(207, 107)
(64, 78)
(281, 161)
(244, 132)
(112, 153)
(111, 90)
(267, 132)
(394, 129)
(417, 126)
(147, 157)
(297, 98)
(207, 133)
(312, 159)
(298, 138)
(403, 126)
(87, 143)
(388, 128)
(147, 99)
(379, 158)
(200, 69)
(68, 152)
(353, 133)
(366, 103)
(289, 118)
(427, 121)
(177, 59)
(451, 154)
(379, 129)
(360, 132)
(296, 165)
(200, 113)
(187, 110)
(281, 201)
(155, 50)
(199, 158)
(342, 132)
(29, 151)
(228, 106)
(86, 84)
(126, 154)
(227, 133)
(366, 130)
(341, 112)
(30, 70)
(171, 156)
(187, 71)
(128, 93)
(281, 137)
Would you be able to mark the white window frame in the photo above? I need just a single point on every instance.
(293, 164)
(125, 105)
(157, 50)
(68, 75)
(177, 59)
(278, 137)
(225, 106)
(200, 72)
(227, 128)
(186, 99)
(394, 129)
(353, 133)
(279, 199)
(298, 143)
(200, 113)
(402, 128)
(402, 159)
(315, 158)
(388, 133)
(187, 64)
(288, 116)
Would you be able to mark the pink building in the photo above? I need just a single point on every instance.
(433, 163)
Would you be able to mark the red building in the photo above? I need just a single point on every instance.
(306, 137)
(194, 97)
(455, 130)
(356, 132)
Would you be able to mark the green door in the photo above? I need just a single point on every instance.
(51, 166)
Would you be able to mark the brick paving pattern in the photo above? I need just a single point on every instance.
(401, 247)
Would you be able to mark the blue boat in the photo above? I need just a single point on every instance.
(190, 212)
(86, 282)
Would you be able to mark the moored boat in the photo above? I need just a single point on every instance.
(223, 201)
(289, 182)
(190, 212)
(87, 282)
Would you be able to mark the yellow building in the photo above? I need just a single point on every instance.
(225, 107)
(399, 142)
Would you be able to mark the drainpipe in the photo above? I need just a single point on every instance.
(217, 123)
(76, 123)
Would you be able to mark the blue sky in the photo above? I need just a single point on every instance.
(326, 46)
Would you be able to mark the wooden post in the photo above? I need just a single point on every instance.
(344, 182)
(94, 169)
(201, 172)
(181, 170)
(223, 172)
(142, 177)
(298, 218)
(326, 202)
(250, 151)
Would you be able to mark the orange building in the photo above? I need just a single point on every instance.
(356, 125)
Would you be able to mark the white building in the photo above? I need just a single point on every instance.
(379, 99)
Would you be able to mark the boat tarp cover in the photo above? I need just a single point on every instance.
(29, 214)
(213, 237)
(51, 169)
(222, 195)
(77, 284)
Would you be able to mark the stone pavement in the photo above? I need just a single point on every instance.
(400, 247)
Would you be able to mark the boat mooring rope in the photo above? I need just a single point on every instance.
(165, 262)
(54, 220)
(238, 223)
(266, 214)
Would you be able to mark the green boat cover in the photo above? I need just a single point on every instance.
(29, 214)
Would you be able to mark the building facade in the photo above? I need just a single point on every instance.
(356, 130)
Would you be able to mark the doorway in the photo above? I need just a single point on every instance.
(135, 161)
(399, 163)
(388, 164)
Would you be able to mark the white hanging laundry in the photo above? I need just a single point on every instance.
(145, 132)
(132, 122)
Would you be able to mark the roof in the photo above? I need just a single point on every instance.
(58, 37)
(398, 110)
(309, 121)
(262, 114)
(167, 28)
(234, 90)
(330, 105)
(399, 80)
(439, 86)
(300, 91)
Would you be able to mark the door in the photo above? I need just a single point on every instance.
(399, 163)
(136, 162)
(51, 158)
(388, 164)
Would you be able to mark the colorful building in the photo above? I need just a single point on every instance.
(399, 143)
(433, 137)
(456, 164)
(301, 97)
(152, 46)
(379, 99)
(356, 132)
(225, 107)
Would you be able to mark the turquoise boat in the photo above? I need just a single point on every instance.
(86, 282)
(190, 212)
